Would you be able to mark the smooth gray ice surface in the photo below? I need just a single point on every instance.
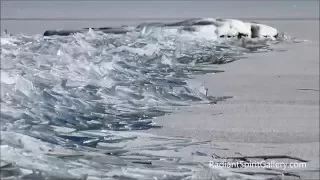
(37, 16)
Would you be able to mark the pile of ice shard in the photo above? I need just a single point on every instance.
(69, 105)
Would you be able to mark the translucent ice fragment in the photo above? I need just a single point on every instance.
(24, 86)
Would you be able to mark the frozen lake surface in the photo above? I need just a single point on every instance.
(71, 107)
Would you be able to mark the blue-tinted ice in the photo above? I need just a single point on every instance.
(69, 104)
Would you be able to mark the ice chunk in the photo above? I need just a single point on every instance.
(24, 86)
(6, 78)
